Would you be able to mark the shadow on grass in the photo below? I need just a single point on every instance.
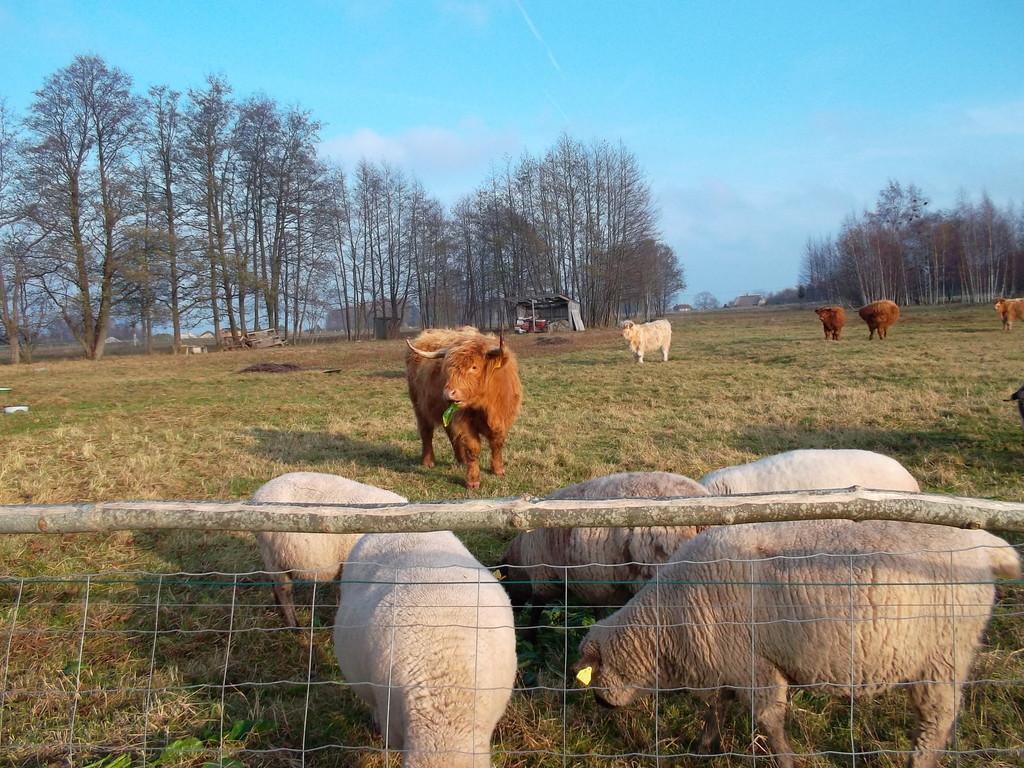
(322, 447)
(314, 447)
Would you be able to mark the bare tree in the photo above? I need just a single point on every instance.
(705, 300)
(10, 263)
(207, 154)
(82, 130)
(164, 151)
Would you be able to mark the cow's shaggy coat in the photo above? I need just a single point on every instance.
(833, 318)
(1009, 310)
(648, 337)
(478, 372)
(879, 315)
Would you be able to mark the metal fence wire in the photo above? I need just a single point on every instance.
(136, 668)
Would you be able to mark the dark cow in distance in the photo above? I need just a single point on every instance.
(479, 373)
(879, 315)
(833, 318)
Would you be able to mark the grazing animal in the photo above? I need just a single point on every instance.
(479, 375)
(833, 318)
(879, 315)
(750, 610)
(1018, 396)
(603, 566)
(310, 556)
(648, 336)
(811, 469)
(425, 636)
(1010, 310)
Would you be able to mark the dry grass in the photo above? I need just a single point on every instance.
(738, 386)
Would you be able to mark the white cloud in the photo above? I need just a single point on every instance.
(996, 119)
(471, 12)
(449, 161)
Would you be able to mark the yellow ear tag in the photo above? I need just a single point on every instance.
(498, 364)
(584, 675)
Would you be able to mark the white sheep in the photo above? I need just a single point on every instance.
(648, 336)
(753, 609)
(603, 566)
(812, 469)
(310, 556)
(425, 636)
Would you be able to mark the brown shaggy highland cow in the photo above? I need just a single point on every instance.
(833, 318)
(879, 315)
(1010, 310)
(472, 378)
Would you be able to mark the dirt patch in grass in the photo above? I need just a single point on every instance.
(272, 368)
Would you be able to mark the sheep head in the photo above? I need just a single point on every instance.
(616, 674)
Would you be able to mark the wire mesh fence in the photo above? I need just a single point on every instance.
(139, 668)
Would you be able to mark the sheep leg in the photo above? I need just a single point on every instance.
(640, 357)
(664, 354)
(769, 705)
(714, 715)
(285, 600)
(935, 704)
(533, 623)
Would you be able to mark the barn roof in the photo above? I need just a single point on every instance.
(748, 300)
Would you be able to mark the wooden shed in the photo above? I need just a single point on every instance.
(537, 313)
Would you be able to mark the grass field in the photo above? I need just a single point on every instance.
(738, 386)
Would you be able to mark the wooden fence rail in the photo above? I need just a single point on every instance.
(512, 514)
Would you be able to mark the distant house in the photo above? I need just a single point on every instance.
(206, 335)
(682, 308)
(113, 340)
(749, 300)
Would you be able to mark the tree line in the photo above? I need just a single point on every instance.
(175, 209)
(904, 251)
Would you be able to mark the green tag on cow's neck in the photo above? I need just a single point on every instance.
(449, 414)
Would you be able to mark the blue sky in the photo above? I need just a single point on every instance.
(760, 124)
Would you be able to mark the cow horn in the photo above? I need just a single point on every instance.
(435, 354)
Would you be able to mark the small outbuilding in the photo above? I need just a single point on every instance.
(538, 313)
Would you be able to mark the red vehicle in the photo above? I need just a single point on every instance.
(531, 325)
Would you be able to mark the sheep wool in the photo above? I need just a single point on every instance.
(310, 556)
(425, 636)
(604, 566)
(850, 609)
(812, 469)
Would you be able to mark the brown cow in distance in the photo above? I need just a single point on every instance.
(879, 315)
(477, 372)
(833, 318)
(1010, 310)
